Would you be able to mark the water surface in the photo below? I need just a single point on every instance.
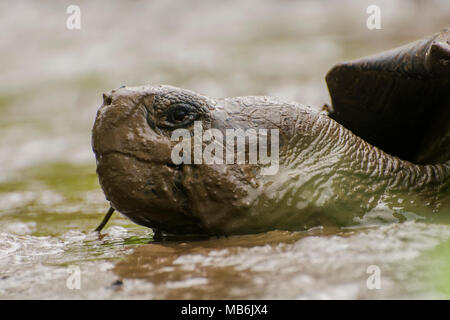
(50, 201)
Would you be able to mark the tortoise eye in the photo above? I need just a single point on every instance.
(180, 115)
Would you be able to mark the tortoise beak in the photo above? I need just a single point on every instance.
(438, 58)
(107, 99)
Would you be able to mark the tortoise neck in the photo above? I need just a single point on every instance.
(399, 174)
(352, 156)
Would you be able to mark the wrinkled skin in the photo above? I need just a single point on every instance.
(327, 175)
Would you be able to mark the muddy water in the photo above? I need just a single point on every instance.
(50, 87)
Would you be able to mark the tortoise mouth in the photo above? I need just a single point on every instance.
(148, 193)
(137, 157)
(178, 167)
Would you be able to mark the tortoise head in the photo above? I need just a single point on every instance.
(133, 145)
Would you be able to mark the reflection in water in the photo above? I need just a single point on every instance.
(320, 263)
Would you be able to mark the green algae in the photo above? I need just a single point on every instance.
(439, 268)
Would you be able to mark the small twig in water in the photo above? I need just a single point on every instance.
(105, 219)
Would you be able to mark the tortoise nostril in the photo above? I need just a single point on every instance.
(107, 99)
